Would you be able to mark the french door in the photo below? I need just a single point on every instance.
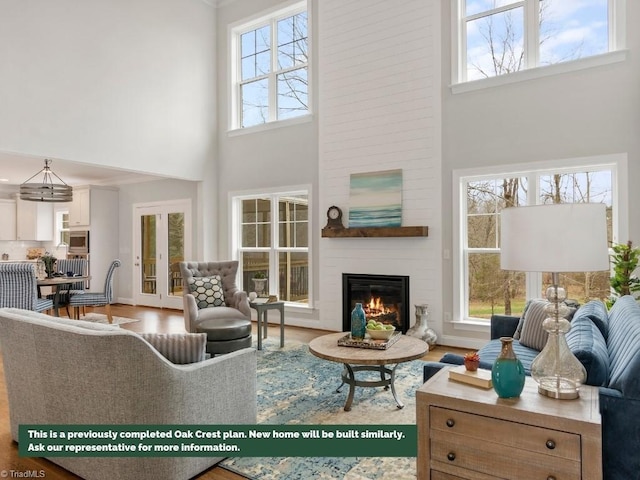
(162, 232)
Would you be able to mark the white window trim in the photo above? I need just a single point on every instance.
(620, 221)
(234, 31)
(616, 54)
(235, 202)
(58, 211)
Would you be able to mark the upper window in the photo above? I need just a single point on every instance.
(484, 289)
(271, 58)
(272, 242)
(498, 37)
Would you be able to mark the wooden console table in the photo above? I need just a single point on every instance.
(466, 432)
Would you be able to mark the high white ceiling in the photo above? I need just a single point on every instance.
(15, 169)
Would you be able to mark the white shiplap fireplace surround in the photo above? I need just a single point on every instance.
(380, 97)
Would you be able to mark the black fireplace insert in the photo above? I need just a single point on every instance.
(385, 298)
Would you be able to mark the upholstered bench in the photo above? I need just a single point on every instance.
(225, 335)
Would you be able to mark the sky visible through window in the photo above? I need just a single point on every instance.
(568, 30)
(273, 66)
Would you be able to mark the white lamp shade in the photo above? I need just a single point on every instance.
(570, 237)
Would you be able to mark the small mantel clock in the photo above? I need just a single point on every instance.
(334, 218)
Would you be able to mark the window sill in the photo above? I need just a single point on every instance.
(298, 308)
(271, 125)
(472, 325)
(541, 72)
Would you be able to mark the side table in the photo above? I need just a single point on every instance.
(262, 308)
(465, 432)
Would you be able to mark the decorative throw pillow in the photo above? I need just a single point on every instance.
(179, 348)
(516, 335)
(207, 291)
(532, 334)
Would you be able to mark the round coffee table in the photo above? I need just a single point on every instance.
(368, 359)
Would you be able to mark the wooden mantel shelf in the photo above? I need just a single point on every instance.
(375, 232)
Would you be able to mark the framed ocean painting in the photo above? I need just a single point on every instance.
(375, 199)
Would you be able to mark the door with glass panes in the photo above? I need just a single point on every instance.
(162, 240)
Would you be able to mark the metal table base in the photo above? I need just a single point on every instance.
(387, 379)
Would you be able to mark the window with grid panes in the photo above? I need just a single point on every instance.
(271, 68)
(272, 232)
(485, 289)
(498, 37)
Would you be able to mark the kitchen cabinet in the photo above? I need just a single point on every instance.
(34, 221)
(7, 220)
(80, 208)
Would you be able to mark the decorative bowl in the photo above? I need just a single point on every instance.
(381, 334)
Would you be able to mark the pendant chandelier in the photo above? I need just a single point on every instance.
(47, 190)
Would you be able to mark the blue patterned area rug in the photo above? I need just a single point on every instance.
(295, 387)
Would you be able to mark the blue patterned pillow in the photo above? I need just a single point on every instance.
(207, 291)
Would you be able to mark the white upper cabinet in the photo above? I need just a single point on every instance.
(8, 219)
(34, 221)
(80, 208)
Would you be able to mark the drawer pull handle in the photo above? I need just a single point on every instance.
(450, 422)
(451, 456)
(550, 445)
(551, 477)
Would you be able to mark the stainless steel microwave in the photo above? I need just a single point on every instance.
(78, 242)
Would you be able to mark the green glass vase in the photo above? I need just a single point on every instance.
(507, 374)
(358, 322)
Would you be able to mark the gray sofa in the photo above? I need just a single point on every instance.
(60, 371)
(608, 345)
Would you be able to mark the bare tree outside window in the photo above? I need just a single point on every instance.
(274, 84)
(496, 31)
(492, 290)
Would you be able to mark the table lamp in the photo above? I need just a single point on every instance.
(555, 238)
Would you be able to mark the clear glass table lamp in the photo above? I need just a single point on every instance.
(555, 238)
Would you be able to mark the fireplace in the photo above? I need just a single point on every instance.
(385, 298)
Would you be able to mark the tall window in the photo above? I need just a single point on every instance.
(497, 37)
(484, 288)
(272, 241)
(271, 60)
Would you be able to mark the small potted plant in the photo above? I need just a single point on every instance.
(625, 260)
(259, 282)
(471, 361)
(49, 262)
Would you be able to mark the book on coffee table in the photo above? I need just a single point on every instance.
(367, 342)
(478, 378)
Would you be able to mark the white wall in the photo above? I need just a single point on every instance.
(584, 113)
(379, 68)
(118, 83)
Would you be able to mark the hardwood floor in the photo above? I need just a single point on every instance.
(150, 320)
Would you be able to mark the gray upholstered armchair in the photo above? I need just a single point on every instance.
(214, 304)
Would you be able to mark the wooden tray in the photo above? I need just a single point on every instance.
(347, 341)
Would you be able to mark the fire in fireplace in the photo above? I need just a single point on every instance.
(384, 298)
